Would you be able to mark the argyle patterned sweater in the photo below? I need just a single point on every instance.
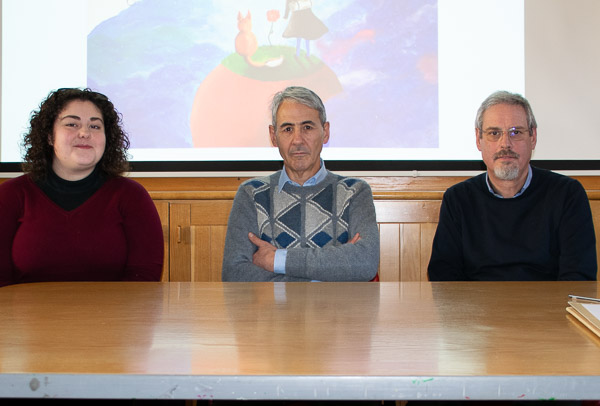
(313, 223)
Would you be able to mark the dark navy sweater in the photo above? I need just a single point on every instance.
(546, 233)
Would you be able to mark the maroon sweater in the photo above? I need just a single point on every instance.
(115, 235)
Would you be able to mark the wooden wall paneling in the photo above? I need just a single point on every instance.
(411, 183)
(210, 212)
(389, 252)
(427, 234)
(406, 232)
(410, 252)
(162, 208)
(407, 211)
(200, 253)
(180, 250)
(217, 240)
(208, 220)
(182, 184)
(380, 185)
(207, 252)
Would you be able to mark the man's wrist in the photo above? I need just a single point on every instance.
(279, 262)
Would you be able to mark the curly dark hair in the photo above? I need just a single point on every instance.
(38, 151)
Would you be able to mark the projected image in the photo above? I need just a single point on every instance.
(201, 74)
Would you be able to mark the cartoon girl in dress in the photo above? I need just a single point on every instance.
(303, 24)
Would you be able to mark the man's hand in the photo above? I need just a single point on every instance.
(354, 239)
(265, 255)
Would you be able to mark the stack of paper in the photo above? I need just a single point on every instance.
(586, 313)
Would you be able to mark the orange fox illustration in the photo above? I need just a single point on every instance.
(246, 43)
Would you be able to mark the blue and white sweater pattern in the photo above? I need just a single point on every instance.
(303, 217)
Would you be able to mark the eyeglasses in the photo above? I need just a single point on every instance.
(514, 134)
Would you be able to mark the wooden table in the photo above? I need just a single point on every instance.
(407, 341)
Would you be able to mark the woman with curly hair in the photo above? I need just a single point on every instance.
(72, 216)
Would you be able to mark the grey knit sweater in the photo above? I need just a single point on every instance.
(313, 223)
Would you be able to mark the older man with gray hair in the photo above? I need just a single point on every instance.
(515, 222)
(302, 223)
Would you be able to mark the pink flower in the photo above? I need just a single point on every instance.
(273, 15)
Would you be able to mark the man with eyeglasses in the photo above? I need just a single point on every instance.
(515, 222)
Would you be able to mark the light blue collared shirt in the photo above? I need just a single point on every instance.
(281, 254)
(314, 180)
(519, 193)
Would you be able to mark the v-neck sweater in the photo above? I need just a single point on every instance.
(114, 235)
(313, 223)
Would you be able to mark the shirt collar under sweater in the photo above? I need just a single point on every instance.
(71, 194)
(519, 193)
(314, 180)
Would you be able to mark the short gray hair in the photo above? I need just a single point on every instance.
(300, 95)
(504, 97)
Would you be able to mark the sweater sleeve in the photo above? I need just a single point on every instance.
(447, 263)
(11, 207)
(237, 256)
(577, 239)
(143, 231)
(345, 262)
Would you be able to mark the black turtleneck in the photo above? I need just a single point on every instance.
(71, 194)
